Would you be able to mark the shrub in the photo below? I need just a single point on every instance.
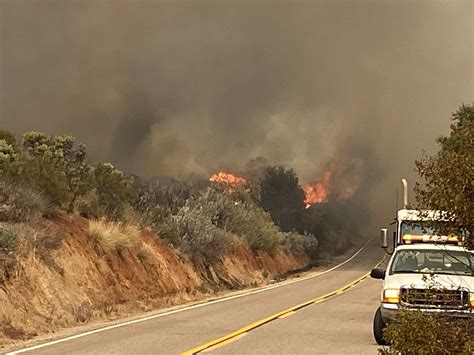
(168, 230)
(57, 167)
(254, 225)
(88, 205)
(114, 190)
(22, 203)
(245, 220)
(414, 332)
(146, 253)
(169, 194)
(9, 163)
(8, 137)
(329, 224)
(300, 243)
(9, 240)
(200, 238)
(225, 213)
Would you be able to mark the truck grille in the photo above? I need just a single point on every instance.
(434, 298)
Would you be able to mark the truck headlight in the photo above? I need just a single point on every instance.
(392, 295)
(471, 299)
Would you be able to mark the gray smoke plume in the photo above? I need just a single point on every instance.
(171, 88)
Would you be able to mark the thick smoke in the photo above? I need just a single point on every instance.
(171, 88)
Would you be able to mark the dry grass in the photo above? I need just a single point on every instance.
(146, 253)
(108, 236)
(102, 235)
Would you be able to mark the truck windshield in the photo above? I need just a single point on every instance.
(451, 262)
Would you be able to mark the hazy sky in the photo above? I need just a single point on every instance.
(174, 87)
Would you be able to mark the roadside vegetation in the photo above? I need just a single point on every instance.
(108, 236)
(448, 177)
(46, 176)
(414, 332)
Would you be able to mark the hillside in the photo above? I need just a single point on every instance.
(60, 280)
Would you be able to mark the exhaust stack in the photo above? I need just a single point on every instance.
(405, 193)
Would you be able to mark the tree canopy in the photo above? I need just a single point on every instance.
(449, 177)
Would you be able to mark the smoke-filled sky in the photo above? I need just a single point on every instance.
(174, 87)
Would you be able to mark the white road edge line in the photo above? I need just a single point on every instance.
(199, 305)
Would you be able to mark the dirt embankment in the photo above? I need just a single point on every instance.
(61, 281)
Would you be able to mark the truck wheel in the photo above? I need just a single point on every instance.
(379, 326)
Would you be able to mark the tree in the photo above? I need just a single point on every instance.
(449, 177)
(282, 196)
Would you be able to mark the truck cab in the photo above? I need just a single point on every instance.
(425, 272)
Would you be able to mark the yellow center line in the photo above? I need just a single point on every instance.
(237, 334)
(224, 343)
(286, 315)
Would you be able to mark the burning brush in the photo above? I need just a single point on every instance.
(340, 182)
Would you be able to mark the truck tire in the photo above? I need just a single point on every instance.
(379, 326)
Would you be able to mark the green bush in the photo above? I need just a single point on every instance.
(415, 332)
(168, 193)
(88, 205)
(57, 167)
(200, 238)
(167, 229)
(8, 137)
(255, 226)
(300, 243)
(114, 190)
(9, 164)
(22, 203)
(203, 224)
(9, 240)
(244, 219)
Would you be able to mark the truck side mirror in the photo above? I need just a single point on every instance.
(377, 274)
(383, 238)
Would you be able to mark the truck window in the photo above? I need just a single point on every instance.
(418, 228)
(433, 261)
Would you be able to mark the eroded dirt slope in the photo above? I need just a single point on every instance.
(61, 281)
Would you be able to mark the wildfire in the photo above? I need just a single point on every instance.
(341, 181)
(318, 191)
(228, 179)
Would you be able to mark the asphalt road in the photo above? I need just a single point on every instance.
(340, 324)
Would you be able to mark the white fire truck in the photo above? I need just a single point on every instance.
(426, 272)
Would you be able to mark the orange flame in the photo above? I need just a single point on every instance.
(318, 191)
(341, 181)
(229, 179)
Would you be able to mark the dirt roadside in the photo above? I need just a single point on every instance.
(200, 298)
